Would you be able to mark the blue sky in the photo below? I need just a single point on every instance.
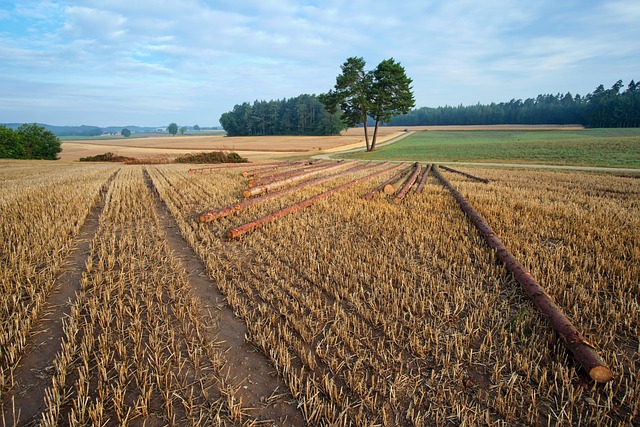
(152, 62)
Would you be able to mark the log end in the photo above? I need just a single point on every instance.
(233, 234)
(246, 194)
(250, 183)
(397, 200)
(389, 189)
(245, 174)
(601, 374)
(204, 217)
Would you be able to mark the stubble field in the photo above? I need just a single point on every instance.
(348, 312)
(255, 148)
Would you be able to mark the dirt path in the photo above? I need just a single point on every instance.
(33, 373)
(534, 166)
(260, 386)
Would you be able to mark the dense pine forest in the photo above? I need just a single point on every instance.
(618, 106)
(302, 115)
(604, 108)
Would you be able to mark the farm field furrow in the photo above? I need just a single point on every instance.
(40, 214)
(266, 397)
(351, 311)
(401, 315)
(136, 349)
(32, 375)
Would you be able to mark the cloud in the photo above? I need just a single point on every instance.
(198, 58)
(93, 24)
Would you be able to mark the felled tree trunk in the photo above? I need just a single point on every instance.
(583, 352)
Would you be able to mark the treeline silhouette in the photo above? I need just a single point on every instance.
(302, 115)
(614, 107)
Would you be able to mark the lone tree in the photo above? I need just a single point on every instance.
(172, 129)
(196, 127)
(380, 94)
(125, 132)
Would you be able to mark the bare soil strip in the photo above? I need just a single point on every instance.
(34, 371)
(260, 386)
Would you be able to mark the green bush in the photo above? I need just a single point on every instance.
(211, 157)
(106, 157)
(30, 141)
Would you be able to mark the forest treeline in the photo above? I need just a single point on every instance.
(302, 115)
(603, 108)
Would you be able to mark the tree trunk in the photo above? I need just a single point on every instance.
(370, 194)
(261, 180)
(475, 178)
(273, 166)
(583, 352)
(409, 183)
(366, 131)
(230, 210)
(392, 187)
(423, 179)
(375, 135)
(277, 184)
(237, 232)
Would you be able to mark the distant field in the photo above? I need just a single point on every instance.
(252, 147)
(139, 136)
(588, 147)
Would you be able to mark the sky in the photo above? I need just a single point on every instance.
(153, 62)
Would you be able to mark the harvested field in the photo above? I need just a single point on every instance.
(254, 148)
(354, 311)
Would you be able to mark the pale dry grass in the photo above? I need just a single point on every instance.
(254, 148)
(258, 148)
(373, 313)
(399, 315)
(136, 347)
(42, 208)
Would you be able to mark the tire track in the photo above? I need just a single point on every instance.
(259, 385)
(22, 405)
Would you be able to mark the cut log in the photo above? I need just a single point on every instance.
(230, 210)
(239, 231)
(583, 352)
(392, 187)
(292, 180)
(273, 166)
(407, 186)
(475, 178)
(423, 179)
(218, 167)
(372, 193)
(263, 180)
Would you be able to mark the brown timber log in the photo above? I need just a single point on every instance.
(392, 187)
(237, 232)
(372, 193)
(409, 184)
(273, 172)
(583, 352)
(423, 179)
(230, 210)
(263, 180)
(475, 178)
(292, 180)
(218, 167)
(274, 166)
